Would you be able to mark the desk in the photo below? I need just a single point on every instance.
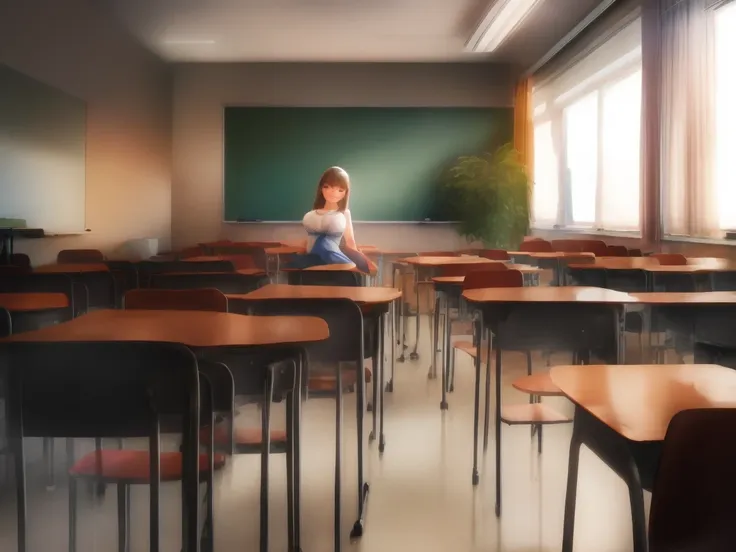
(195, 329)
(622, 413)
(432, 263)
(33, 302)
(96, 279)
(553, 258)
(523, 315)
(377, 300)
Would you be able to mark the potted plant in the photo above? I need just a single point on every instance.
(488, 195)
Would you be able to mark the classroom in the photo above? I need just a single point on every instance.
(503, 321)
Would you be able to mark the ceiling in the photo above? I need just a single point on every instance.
(337, 30)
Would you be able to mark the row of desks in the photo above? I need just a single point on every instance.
(205, 331)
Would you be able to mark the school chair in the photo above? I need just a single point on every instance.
(693, 503)
(705, 353)
(125, 277)
(597, 247)
(494, 254)
(6, 328)
(535, 246)
(141, 385)
(456, 309)
(20, 259)
(226, 436)
(79, 256)
(45, 283)
(672, 259)
(567, 246)
(146, 269)
(13, 270)
(535, 385)
(345, 346)
(635, 252)
(226, 282)
(617, 251)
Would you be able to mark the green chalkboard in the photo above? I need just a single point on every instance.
(396, 157)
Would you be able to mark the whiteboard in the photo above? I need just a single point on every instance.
(42, 154)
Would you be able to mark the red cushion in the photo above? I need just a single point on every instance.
(124, 465)
(243, 435)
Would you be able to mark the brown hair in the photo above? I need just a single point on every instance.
(334, 176)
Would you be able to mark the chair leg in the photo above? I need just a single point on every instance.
(266, 449)
(498, 431)
(48, 456)
(123, 517)
(290, 505)
(73, 515)
(533, 427)
(451, 384)
(487, 420)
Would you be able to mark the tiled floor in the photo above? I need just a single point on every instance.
(421, 494)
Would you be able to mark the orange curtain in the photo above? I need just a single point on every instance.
(523, 126)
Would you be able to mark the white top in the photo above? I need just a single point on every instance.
(326, 222)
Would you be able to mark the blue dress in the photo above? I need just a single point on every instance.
(324, 234)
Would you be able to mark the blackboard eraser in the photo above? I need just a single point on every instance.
(249, 220)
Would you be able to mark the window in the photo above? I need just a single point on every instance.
(581, 150)
(545, 194)
(591, 168)
(725, 106)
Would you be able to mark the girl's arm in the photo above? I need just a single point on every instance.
(349, 233)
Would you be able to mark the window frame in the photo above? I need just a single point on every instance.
(554, 113)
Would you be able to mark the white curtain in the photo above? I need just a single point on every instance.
(587, 119)
(688, 123)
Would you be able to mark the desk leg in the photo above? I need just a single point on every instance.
(431, 374)
(400, 319)
(392, 337)
(446, 349)
(414, 355)
(616, 452)
(478, 336)
(338, 452)
(363, 487)
(568, 527)
(296, 443)
(381, 438)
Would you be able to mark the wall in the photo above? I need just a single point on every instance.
(201, 91)
(78, 48)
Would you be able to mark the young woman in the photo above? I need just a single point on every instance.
(328, 224)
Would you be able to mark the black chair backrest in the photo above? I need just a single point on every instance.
(226, 282)
(344, 320)
(147, 268)
(125, 275)
(706, 353)
(346, 278)
(20, 259)
(6, 326)
(48, 283)
(577, 327)
(59, 390)
(72, 256)
(693, 504)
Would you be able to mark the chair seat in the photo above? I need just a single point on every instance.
(242, 435)
(133, 466)
(537, 384)
(469, 348)
(326, 381)
(535, 413)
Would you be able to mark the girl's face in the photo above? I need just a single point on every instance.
(333, 194)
